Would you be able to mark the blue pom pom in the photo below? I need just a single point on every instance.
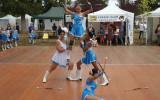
(63, 6)
(100, 73)
(90, 5)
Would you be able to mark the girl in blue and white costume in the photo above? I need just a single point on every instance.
(15, 36)
(33, 36)
(60, 57)
(77, 29)
(3, 39)
(88, 93)
(90, 58)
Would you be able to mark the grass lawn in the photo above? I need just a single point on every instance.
(52, 41)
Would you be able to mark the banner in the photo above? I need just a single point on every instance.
(154, 15)
(106, 18)
(130, 31)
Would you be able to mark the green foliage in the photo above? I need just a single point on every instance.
(145, 5)
(19, 7)
(97, 4)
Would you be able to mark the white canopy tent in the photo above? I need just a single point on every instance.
(113, 13)
(152, 21)
(7, 19)
(142, 17)
(28, 21)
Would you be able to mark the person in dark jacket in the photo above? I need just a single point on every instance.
(157, 31)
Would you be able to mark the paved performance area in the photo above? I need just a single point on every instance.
(22, 70)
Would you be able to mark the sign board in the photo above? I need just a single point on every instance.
(154, 15)
(106, 18)
(68, 18)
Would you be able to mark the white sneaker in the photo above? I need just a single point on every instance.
(44, 80)
(104, 83)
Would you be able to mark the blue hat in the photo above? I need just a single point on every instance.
(90, 25)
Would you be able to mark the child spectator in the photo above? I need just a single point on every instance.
(101, 34)
(95, 43)
(33, 36)
(15, 36)
(3, 39)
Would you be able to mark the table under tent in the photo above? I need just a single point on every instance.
(53, 15)
(47, 19)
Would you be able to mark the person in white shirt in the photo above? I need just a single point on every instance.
(136, 23)
(116, 34)
(145, 26)
(66, 31)
(141, 30)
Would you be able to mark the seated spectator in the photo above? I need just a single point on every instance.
(95, 43)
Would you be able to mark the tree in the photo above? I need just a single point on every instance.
(145, 7)
(155, 5)
(21, 7)
(97, 4)
(131, 7)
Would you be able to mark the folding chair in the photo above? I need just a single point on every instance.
(45, 37)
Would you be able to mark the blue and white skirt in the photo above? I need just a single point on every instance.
(60, 59)
(89, 57)
(77, 30)
(86, 93)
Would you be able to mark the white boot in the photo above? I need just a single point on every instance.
(78, 75)
(105, 80)
(2, 47)
(69, 75)
(45, 76)
(33, 42)
(11, 45)
(16, 44)
(7, 46)
(29, 40)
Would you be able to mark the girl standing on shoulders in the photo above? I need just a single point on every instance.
(77, 29)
